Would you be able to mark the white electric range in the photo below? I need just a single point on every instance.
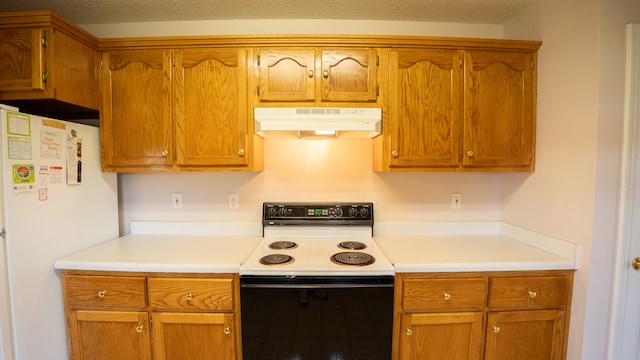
(329, 240)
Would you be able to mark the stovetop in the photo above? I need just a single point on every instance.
(317, 230)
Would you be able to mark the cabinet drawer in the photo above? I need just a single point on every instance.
(106, 291)
(191, 294)
(436, 294)
(534, 291)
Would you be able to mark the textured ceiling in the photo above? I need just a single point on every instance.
(120, 11)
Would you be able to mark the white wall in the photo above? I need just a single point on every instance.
(311, 170)
(573, 194)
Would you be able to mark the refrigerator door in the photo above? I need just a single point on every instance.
(6, 347)
(49, 212)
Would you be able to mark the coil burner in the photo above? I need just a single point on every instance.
(352, 245)
(276, 259)
(352, 258)
(279, 245)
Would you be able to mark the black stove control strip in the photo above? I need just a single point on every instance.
(317, 214)
(315, 282)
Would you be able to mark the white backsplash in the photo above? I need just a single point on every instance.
(310, 170)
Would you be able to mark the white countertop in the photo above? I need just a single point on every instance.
(165, 253)
(488, 252)
(220, 247)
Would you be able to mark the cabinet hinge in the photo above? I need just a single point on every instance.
(377, 60)
(258, 90)
(173, 61)
(377, 90)
(45, 76)
(460, 62)
(101, 65)
(531, 64)
(258, 59)
(44, 41)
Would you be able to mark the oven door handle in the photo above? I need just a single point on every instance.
(315, 282)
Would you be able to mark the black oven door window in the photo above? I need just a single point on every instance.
(317, 324)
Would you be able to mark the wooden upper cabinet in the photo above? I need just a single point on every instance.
(425, 108)
(317, 75)
(23, 59)
(210, 107)
(286, 75)
(45, 57)
(136, 127)
(349, 75)
(499, 110)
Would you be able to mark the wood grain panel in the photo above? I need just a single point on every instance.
(516, 292)
(191, 294)
(431, 294)
(119, 291)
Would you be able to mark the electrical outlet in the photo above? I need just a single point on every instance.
(233, 201)
(456, 201)
(176, 199)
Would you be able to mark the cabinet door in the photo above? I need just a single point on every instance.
(349, 75)
(210, 107)
(194, 336)
(527, 335)
(136, 125)
(108, 335)
(23, 59)
(425, 108)
(286, 74)
(437, 336)
(499, 110)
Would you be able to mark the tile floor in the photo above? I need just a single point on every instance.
(339, 324)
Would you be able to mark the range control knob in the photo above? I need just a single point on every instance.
(338, 212)
(353, 212)
(364, 212)
(282, 211)
(271, 211)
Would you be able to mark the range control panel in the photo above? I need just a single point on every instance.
(317, 213)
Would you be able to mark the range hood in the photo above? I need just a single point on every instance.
(318, 122)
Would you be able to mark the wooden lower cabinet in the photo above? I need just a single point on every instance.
(117, 315)
(441, 336)
(531, 334)
(482, 315)
(193, 336)
(108, 335)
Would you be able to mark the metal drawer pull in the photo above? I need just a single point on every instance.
(101, 293)
(189, 296)
(394, 153)
(408, 332)
(325, 74)
(470, 153)
(496, 329)
(447, 296)
(310, 73)
(227, 330)
(532, 294)
(140, 328)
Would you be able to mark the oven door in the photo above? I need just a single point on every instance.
(316, 317)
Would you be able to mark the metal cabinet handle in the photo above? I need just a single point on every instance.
(470, 153)
(241, 152)
(227, 330)
(532, 294)
(102, 293)
(408, 331)
(310, 73)
(636, 263)
(325, 73)
(189, 296)
(496, 329)
(395, 153)
(165, 153)
(447, 296)
(140, 328)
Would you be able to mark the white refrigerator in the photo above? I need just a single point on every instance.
(55, 201)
